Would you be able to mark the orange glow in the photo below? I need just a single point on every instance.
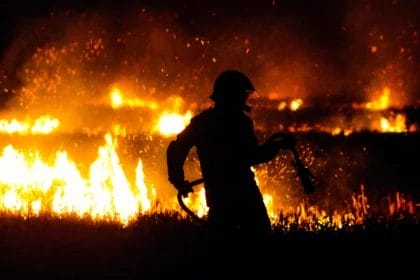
(373, 49)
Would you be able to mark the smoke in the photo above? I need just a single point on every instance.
(382, 48)
(68, 56)
(68, 53)
(289, 50)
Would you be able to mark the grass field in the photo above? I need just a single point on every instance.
(166, 246)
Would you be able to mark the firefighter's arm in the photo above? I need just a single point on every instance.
(280, 140)
(270, 148)
(176, 155)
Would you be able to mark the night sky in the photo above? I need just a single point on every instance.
(319, 21)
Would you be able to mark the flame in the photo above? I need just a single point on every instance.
(394, 124)
(382, 103)
(118, 100)
(172, 123)
(143, 198)
(401, 205)
(282, 105)
(375, 118)
(197, 203)
(30, 186)
(44, 124)
(295, 104)
(269, 204)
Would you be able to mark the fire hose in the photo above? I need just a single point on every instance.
(185, 207)
(307, 180)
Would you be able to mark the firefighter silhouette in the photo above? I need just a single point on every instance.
(227, 148)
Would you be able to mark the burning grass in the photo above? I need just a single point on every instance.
(124, 178)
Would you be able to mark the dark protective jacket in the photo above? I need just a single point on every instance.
(227, 148)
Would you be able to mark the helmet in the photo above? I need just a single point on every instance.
(231, 85)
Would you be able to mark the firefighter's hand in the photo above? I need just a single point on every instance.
(184, 187)
(282, 140)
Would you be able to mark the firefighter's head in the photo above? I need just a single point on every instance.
(231, 89)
